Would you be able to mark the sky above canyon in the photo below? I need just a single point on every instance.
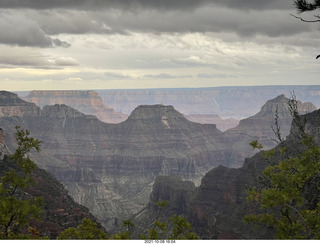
(112, 44)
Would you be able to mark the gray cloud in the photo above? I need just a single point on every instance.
(212, 76)
(167, 76)
(272, 23)
(19, 30)
(116, 76)
(145, 4)
(99, 4)
(247, 19)
(255, 4)
(60, 43)
(20, 57)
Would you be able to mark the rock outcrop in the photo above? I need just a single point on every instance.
(11, 105)
(111, 168)
(59, 211)
(259, 126)
(217, 207)
(87, 102)
(222, 124)
(234, 102)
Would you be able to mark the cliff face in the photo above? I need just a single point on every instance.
(59, 211)
(217, 207)
(87, 102)
(222, 124)
(259, 126)
(11, 105)
(110, 168)
(235, 102)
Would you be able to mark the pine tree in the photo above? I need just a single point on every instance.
(289, 198)
(16, 207)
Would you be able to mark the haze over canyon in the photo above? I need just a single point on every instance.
(111, 167)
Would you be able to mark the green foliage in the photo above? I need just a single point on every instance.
(256, 145)
(176, 228)
(87, 230)
(181, 229)
(288, 203)
(16, 208)
(125, 235)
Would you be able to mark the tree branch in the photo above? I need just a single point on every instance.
(308, 21)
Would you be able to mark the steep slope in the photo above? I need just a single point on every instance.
(259, 126)
(59, 211)
(217, 207)
(11, 105)
(110, 168)
(87, 102)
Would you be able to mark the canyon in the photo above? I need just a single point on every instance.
(228, 102)
(59, 210)
(217, 207)
(87, 102)
(111, 168)
(223, 106)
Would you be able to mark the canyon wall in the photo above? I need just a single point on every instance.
(111, 168)
(87, 102)
(217, 207)
(236, 102)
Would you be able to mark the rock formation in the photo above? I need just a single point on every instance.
(111, 168)
(59, 211)
(222, 124)
(259, 126)
(235, 102)
(87, 102)
(217, 207)
(11, 105)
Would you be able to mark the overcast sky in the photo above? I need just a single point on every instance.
(108, 44)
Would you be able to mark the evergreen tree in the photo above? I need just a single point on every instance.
(87, 230)
(16, 207)
(289, 196)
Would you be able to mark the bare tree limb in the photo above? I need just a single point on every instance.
(308, 21)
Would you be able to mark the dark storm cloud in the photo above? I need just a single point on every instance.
(206, 19)
(37, 20)
(19, 30)
(144, 4)
(255, 4)
(98, 4)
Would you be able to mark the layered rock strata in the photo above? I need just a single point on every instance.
(87, 102)
(110, 168)
(217, 207)
(235, 102)
(59, 210)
